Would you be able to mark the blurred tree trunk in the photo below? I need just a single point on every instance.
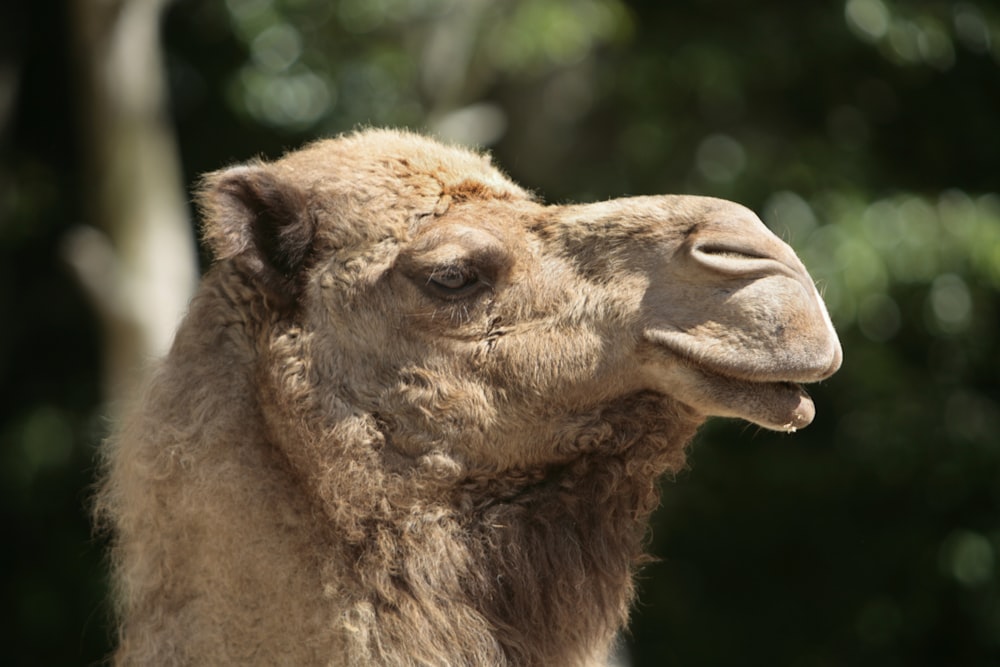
(136, 257)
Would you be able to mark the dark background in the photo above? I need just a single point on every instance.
(866, 133)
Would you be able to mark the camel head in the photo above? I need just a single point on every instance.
(470, 320)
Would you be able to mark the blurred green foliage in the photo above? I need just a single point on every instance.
(865, 132)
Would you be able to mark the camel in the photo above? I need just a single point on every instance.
(415, 416)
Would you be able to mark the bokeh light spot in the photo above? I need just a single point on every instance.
(971, 28)
(969, 558)
(790, 216)
(277, 47)
(951, 303)
(295, 99)
(878, 317)
(869, 19)
(720, 158)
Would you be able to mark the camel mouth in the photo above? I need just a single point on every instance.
(774, 404)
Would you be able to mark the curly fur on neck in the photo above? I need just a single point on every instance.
(453, 567)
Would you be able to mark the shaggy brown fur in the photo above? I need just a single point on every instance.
(415, 417)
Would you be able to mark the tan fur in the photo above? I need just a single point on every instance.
(342, 462)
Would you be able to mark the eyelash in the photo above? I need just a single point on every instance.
(452, 282)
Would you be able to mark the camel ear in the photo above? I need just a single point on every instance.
(250, 211)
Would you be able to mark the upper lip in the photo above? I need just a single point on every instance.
(797, 376)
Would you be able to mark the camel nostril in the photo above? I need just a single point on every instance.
(729, 251)
(738, 259)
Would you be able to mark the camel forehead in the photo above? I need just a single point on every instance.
(396, 161)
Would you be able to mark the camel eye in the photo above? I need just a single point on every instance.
(453, 281)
